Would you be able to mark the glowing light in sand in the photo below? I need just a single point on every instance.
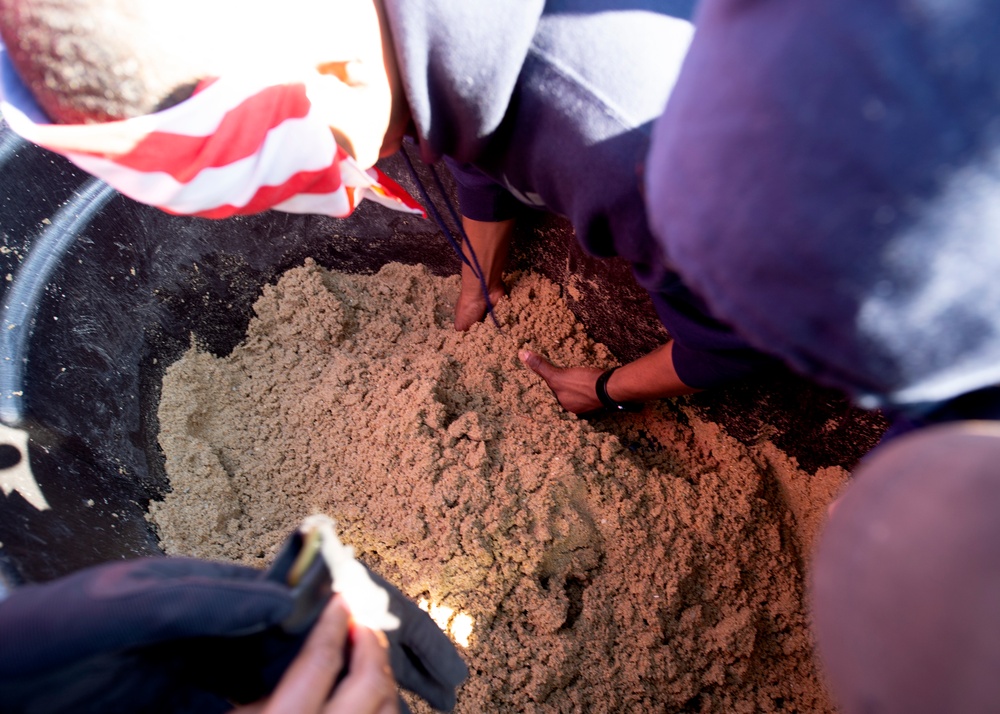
(457, 624)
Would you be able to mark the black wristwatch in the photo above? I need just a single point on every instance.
(602, 394)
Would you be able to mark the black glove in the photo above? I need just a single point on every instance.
(424, 661)
(113, 638)
(183, 635)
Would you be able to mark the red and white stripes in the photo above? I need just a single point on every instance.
(239, 145)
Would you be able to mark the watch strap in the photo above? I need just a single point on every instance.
(606, 400)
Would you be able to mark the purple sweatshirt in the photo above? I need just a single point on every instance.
(826, 177)
(552, 105)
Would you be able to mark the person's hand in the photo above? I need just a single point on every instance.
(308, 684)
(652, 376)
(471, 307)
(162, 635)
(423, 659)
(574, 387)
(489, 241)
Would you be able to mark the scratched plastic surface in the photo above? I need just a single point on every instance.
(98, 295)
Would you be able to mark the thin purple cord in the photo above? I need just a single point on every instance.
(465, 238)
(448, 234)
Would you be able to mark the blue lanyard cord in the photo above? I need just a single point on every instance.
(456, 244)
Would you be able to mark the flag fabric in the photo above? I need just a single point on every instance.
(238, 145)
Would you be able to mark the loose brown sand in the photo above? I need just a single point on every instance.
(644, 563)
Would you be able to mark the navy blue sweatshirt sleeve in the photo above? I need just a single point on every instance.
(706, 353)
(480, 197)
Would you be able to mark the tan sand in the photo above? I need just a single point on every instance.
(636, 564)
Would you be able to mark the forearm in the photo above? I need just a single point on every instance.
(490, 243)
(650, 377)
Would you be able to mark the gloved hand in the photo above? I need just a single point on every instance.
(184, 635)
(115, 637)
(423, 659)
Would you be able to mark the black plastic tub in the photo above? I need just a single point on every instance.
(101, 294)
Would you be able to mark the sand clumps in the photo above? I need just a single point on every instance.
(644, 563)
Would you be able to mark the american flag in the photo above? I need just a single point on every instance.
(238, 145)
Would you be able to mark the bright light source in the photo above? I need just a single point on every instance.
(457, 624)
(461, 628)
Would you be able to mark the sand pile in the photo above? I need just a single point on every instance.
(613, 565)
